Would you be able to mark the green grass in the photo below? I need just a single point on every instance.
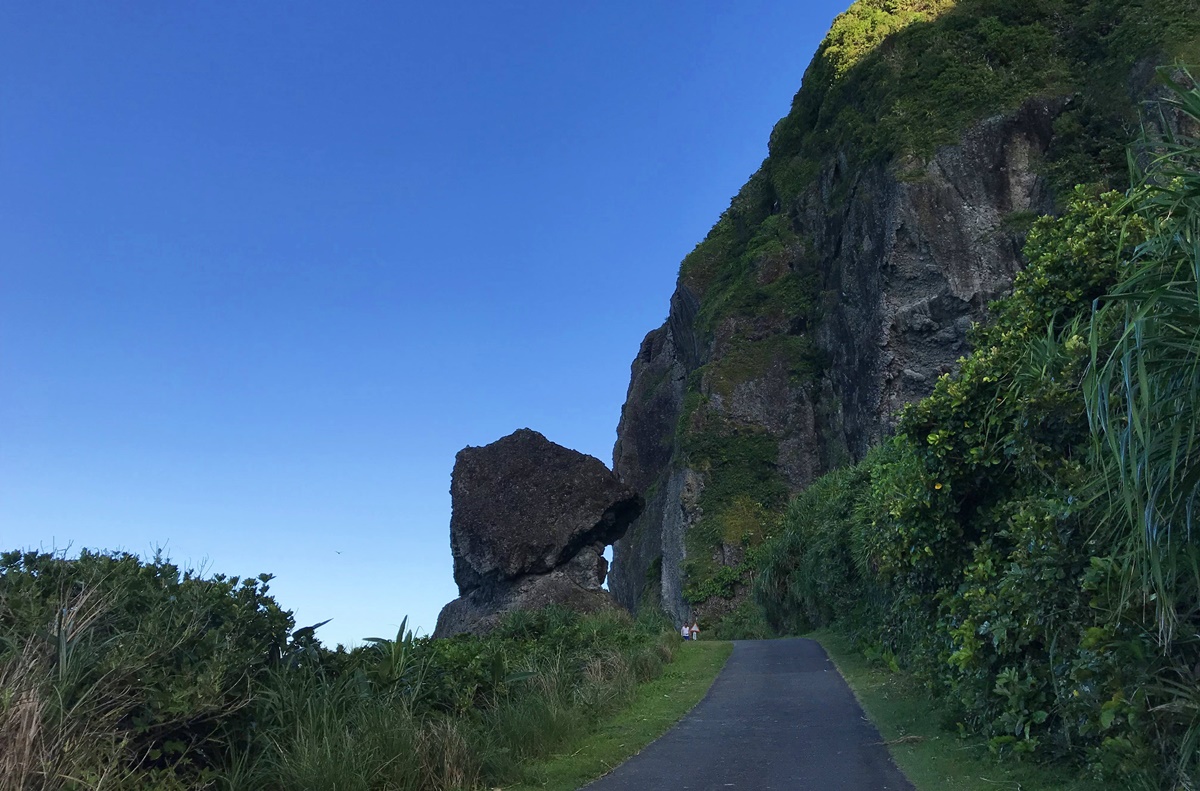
(656, 706)
(935, 759)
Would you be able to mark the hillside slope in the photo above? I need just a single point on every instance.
(842, 279)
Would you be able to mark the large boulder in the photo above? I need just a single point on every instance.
(528, 528)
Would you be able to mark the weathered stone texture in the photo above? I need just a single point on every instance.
(529, 525)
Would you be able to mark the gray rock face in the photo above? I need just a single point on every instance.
(907, 264)
(918, 261)
(529, 525)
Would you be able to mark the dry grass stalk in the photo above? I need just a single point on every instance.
(54, 724)
(447, 763)
(22, 710)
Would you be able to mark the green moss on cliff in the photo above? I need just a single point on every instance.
(742, 496)
(769, 277)
(751, 360)
(748, 237)
(899, 78)
(739, 463)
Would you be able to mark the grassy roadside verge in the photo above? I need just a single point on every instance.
(934, 759)
(656, 706)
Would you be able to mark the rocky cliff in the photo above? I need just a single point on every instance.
(844, 277)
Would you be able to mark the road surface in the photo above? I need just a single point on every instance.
(779, 717)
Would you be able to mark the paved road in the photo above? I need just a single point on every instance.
(778, 717)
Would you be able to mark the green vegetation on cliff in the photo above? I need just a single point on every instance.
(893, 81)
(1023, 545)
(898, 78)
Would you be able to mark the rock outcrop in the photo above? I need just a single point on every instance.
(529, 526)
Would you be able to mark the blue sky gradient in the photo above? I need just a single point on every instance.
(266, 267)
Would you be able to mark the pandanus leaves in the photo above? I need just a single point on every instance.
(1143, 387)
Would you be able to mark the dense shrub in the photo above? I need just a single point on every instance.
(810, 576)
(747, 621)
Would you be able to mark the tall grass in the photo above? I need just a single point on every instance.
(117, 674)
(347, 734)
(1143, 401)
(64, 711)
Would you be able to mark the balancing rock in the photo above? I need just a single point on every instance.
(530, 520)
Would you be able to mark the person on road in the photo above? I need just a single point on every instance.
(684, 631)
(694, 630)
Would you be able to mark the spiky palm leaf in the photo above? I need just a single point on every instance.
(1143, 390)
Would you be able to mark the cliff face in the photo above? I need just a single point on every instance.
(842, 282)
(907, 267)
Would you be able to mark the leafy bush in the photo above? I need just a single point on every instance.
(746, 622)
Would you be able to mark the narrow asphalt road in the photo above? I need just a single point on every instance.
(779, 716)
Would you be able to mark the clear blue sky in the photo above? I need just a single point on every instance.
(266, 267)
